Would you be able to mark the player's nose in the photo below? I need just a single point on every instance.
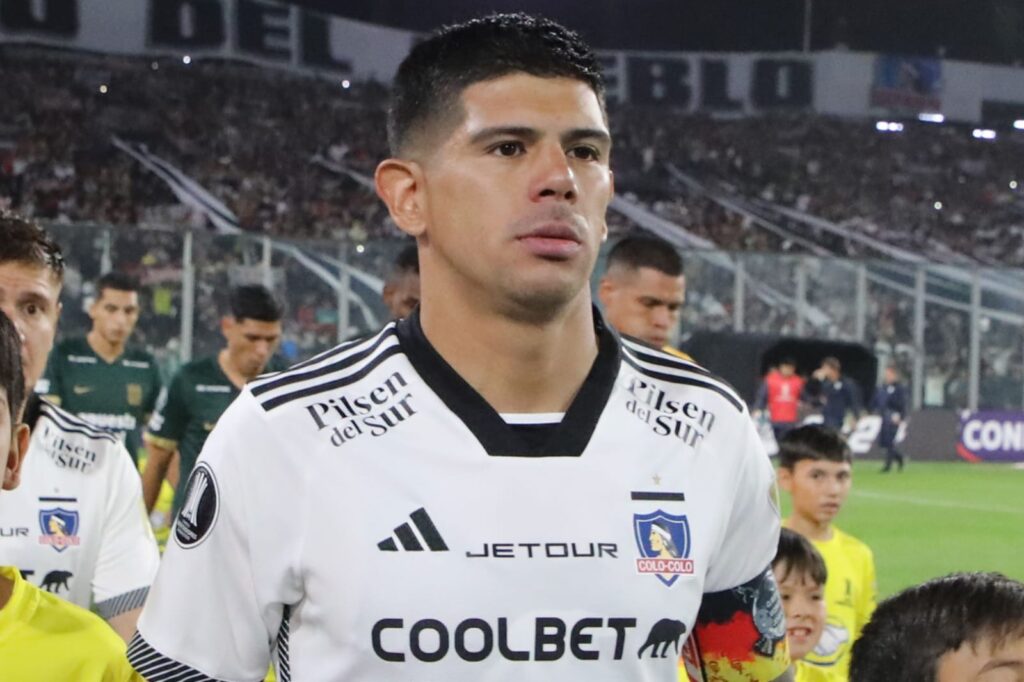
(553, 176)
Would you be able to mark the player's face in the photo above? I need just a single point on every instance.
(402, 295)
(787, 370)
(250, 343)
(510, 208)
(986, 661)
(29, 295)
(644, 303)
(818, 488)
(803, 601)
(890, 376)
(114, 315)
(13, 444)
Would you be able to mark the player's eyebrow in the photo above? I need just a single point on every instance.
(532, 134)
(1016, 664)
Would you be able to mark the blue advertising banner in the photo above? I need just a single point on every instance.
(907, 84)
(992, 436)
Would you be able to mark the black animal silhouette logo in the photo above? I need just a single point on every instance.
(665, 632)
(55, 580)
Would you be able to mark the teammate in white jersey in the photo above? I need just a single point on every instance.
(76, 525)
(496, 487)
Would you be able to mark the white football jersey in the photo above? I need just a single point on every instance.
(76, 525)
(367, 516)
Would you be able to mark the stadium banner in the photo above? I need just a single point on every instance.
(269, 33)
(278, 34)
(991, 436)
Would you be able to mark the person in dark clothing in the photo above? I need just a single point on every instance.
(890, 403)
(834, 394)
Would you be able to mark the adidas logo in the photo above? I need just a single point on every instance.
(412, 542)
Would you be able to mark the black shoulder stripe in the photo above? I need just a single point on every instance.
(71, 424)
(687, 381)
(275, 402)
(155, 667)
(292, 376)
(664, 359)
(284, 666)
(340, 348)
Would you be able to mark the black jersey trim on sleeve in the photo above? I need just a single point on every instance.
(340, 382)
(122, 603)
(656, 356)
(721, 389)
(499, 439)
(284, 667)
(307, 371)
(70, 423)
(155, 667)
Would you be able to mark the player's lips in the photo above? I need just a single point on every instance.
(557, 240)
(798, 633)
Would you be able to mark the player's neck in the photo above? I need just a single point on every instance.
(230, 371)
(809, 527)
(103, 348)
(6, 590)
(516, 366)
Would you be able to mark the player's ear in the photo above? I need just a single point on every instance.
(605, 291)
(19, 448)
(785, 478)
(400, 186)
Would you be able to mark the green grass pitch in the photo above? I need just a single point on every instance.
(936, 518)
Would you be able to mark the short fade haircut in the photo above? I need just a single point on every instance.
(118, 281)
(254, 302)
(12, 380)
(909, 632)
(814, 442)
(638, 252)
(24, 241)
(430, 80)
(833, 362)
(796, 553)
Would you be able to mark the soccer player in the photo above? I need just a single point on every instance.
(98, 377)
(890, 403)
(780, 394)
(401, 292)
(201, 390)
(470, 493)
(42, 637)
(77, 524)
(815, 469)
(837, 396)
(964, 627)
(801, 574)
(643, 290)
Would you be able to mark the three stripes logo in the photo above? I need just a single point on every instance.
(413, 540)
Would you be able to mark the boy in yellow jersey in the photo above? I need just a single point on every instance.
(801, 574)
(42, 637)
(815, 469)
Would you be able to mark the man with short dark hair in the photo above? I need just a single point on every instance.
(99, 377)
(964, 627)
(837, 396)
(79, 529)
(401, 292)
(201, 390)
(890, 403)
(493, 487)
(643, 289)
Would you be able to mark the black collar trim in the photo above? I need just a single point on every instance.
(567, 439)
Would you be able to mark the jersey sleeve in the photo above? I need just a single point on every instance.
(170, 418)
(751, 536)
(128, 556)
(230, 568)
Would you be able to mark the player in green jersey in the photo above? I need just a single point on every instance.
(98, 376)
(201, 390)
